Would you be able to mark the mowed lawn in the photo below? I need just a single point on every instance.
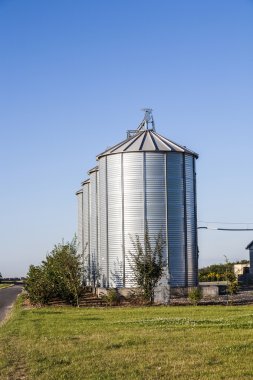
(3, 286)
(214, 342)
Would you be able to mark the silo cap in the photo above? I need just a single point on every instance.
(95, 169)
(147, 140)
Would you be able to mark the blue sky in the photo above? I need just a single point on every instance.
(73, 78)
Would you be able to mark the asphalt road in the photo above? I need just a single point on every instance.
(7, 298)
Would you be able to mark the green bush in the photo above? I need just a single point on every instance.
(112, 297)
(195, 296)
(147, 262)
(232, 287)
(136, 297)
(59, 276)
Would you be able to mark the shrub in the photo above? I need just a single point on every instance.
(232, 287)
(195, 296)
(59, 276)
(136, 297)
(112, 297)
(147, 263)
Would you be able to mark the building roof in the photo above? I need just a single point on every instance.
(147, 141)
(249, 245)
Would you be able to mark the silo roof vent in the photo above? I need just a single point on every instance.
(147, 123)
(146, 139)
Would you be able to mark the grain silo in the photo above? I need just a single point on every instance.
(84, 230)
(94, 242)
(79, 195)
(146, 181)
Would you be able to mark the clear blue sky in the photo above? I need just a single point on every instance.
(73, 78)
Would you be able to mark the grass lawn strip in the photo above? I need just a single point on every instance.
(214, 342)
(4, 286)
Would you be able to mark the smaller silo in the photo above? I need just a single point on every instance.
(94, 225)
(79, 195)
(86, 229)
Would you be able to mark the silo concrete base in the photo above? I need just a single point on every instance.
(181, 291)
(162, 295)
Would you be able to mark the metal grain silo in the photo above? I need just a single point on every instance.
(147, 180)
(86, 228)
(79, 195)
(83, 230)
(94, 225)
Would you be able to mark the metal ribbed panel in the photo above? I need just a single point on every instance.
(114, 185)
(103, 219)
(155, 194)
(86, 228)
(98, 227)
(133, 189)
(93, 224)
(251, 260)
(80, 223)
(133, 205)
(146, 141)
(192, 259)
(176, 221)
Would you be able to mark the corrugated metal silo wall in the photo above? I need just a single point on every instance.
(176, 221)
(155, 197)
(86, 229)
(103, 221)
(80, 223)
(94, 222)
(182, 220)
(115, 220)
(191, 221)
(133, 201)
(158, 188)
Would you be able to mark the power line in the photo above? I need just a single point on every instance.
(224, 229)
(203, 221)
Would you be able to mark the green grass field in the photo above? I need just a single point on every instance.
(3, 286)
(190, 343)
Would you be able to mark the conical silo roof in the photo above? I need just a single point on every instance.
(146, 140)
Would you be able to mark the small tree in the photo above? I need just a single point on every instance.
(147, 263)
(38, 286)
(60, 275)
(64, 269)
(230, 277)
(195, 296)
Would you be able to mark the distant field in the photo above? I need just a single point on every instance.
(214, 342)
